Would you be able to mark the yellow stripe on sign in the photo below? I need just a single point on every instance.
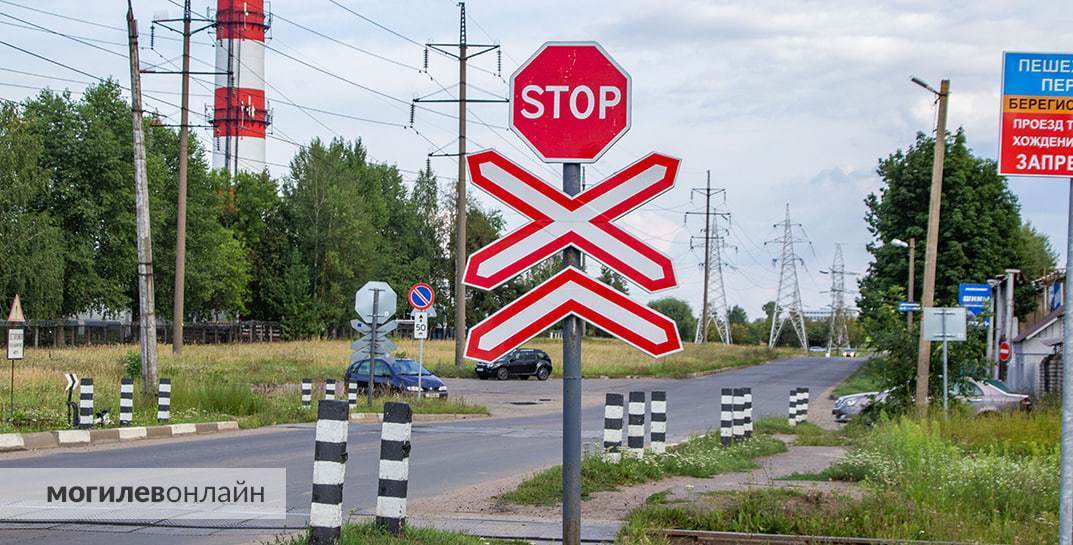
(1037, 104)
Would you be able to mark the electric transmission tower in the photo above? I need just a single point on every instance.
(714, 309)
(788, 301)
(838, 333)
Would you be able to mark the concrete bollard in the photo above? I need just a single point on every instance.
(126, 401)
(658, 428)
(726, 416)
(329, 389)
(329, 472)
(739, 415)
(792, 416)
(307, 393)
(635, 426)
(85, 403)
(748, 413)
(394, 467)
(802, 405)
(613, 412)
(352, 394)
(163, 403)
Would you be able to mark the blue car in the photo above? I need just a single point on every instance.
(400, 377)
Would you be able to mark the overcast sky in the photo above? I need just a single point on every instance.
(785, 102)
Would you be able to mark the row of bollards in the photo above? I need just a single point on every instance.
(126, 402)
(329, 470)
(634, 413)
(735, 415)
(329, 392)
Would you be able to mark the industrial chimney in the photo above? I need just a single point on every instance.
(240, 112)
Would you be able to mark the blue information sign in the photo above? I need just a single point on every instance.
(974, 297)
(906, 306)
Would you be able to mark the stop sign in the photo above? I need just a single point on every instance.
(1004, 351)
(570, 102)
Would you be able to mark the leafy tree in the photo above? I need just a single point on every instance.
(679, 311)
(737, 315)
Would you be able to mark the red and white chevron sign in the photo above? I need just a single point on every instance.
(584, 221)
(572, 292)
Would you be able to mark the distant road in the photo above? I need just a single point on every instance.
(445, 456)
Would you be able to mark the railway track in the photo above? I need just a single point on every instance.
(695, 537)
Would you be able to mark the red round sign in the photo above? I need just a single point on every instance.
(1004, 351)
(570, 102)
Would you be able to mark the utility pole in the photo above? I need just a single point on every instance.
(463, 56)
(838, 330)
(788, 300)
(717, 310)
(146, 313)
(932, 246)
(912, 280)
(184, 146)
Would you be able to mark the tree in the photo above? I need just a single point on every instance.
(614, 279)
(737, 315)
(679, 311)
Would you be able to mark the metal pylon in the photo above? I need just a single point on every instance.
(788, 301)
(838, 334)
(718, 310)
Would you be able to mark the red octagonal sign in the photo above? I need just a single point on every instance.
(570, 102)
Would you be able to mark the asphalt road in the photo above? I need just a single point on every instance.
(444, 456)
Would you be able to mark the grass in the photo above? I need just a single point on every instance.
(960, 478)
(806, 434)
(865, 379)
(701, 456)
(369, 534)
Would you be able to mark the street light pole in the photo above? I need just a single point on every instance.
(912, 278)
(932, 246)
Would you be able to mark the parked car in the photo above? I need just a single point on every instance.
(400, 377)
(521, 362)
(986, 396)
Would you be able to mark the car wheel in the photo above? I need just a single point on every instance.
(543, 373)
(502, 373)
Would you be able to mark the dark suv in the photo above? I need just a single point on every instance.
(521, 362)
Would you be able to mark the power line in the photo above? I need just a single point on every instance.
(347, 45)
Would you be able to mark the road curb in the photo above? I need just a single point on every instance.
(14, 442)
(369, 418)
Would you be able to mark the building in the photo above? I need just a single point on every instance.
(1034, 367)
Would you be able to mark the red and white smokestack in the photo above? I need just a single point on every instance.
(240, 114)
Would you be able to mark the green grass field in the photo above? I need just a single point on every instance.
(369, 534)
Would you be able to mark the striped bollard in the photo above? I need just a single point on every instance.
(635, 428)
(85, 403)
(802, 405)
(739, 415)
(126, 401)
(658, 428)
(329, 471)
(613, 411)
(163, 404)
(394, 467)
(726, 416)
(352, 394)
(307, 393)
(748, 413)
(329, 389)
(793, 407)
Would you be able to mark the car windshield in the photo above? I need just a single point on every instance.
(409, 367)
(999, 384)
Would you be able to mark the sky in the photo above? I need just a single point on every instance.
(784, 102)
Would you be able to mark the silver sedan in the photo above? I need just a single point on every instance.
(983, 396)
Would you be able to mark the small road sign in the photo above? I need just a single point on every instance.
(570, 102)
(585, 221)
(974, 297)
(1004, 352)
(363, 302)
(1036, 133)
(421, 325)
(945, 324)
(572, 292)
(72, 379)
(15, 344)
(421, 296)
(16, 315)
(383, 344)
(906, 306)
(365, 329)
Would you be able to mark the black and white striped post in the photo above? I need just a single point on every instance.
(748, 413)
(307, 393)
(739, 415)
(352, 394)
(726, 416)
(329, 389)
(329, 472)
(792, 415)
(163, 404)
(613, 412)
(85, 403)
(802, 405)
(635, 426)
(394, 467)
(126, 401)
(658, 428)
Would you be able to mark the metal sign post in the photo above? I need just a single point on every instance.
(15, 346)
(372, 347)
(571, 390)
(945, 324)
(1065, 484)
(420, 333)
(375, 305)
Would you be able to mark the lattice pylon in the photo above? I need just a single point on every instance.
(788, 301)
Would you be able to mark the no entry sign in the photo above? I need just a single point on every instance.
(570, 102)
(1004, 352)
(1036, 135)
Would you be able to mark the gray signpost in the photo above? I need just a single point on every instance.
(375, 304)
(15, 345)
(945, 324)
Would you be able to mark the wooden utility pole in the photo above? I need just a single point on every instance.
(180, 224)
(146, 312)
(931, 250)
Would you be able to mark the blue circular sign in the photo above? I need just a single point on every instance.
(421, 296)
